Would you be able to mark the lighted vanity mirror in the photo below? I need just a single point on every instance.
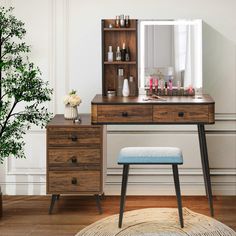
(171, 50)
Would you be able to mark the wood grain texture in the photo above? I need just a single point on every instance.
(124, 114)
(94, 113)
(74, 181)
(211, 111)
(28, 215)
(180, 113)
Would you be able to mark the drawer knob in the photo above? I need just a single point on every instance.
(74, 181)
(74, 138)
(73, 159)
(181, 114)
(124, 114)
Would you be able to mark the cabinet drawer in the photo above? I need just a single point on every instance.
(74, 181)
(180, 113)
(124, 113)
(81, 137)
(72, 157)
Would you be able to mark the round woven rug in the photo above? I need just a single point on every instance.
(158, 221)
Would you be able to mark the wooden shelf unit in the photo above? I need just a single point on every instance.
(116, 37)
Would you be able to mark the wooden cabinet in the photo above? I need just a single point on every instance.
(74, 157)
(116, 37)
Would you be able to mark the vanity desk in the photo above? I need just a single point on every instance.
(196, 110)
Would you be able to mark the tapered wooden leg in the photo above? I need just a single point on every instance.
(123, 193)
(53, 200)
(178, 194)
(205, 165)
(98, 203)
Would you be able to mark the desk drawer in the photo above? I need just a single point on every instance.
(74, 137)
(74, 181)
(73, 157)
(180, 113)
(124, 113)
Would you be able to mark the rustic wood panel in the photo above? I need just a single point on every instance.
(211, 113)
(73, 157)
(125, 113)
(74, 181)
(76, 137)
(180, 113)
(94, 113)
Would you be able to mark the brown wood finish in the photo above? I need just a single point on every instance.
(74, 156)
(180, 113)
(171, 110)
(28, 215)
(74, 181)
(0, 202)
(116, 37)
(125, 114)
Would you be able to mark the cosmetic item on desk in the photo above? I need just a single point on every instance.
(127, 54)
(150, 85)
(156, 85)
(122, 21)
(118, 54)
(127, 22)
(125, 90)
(166, 88)
(111, 93)
(120, 81)
(132, 86)
(123, 52)
(170, 87)
(162, 86)
(117, 22)
(110, 54)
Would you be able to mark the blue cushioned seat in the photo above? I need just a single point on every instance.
(150, 155)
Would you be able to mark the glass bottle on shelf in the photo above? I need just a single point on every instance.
(120, 81)
(131, 86)
(118, 54)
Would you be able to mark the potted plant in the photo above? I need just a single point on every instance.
(23, 93)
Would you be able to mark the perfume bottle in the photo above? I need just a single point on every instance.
(170, 87)
(150, 85)
(117, 22)
(122, 21)
(156, 86)
(125, 90)
(127, 22)
(118, 54)
(131, 86)
(127, 54)
(110, 54)
(123, 52)
(166, 88)
(120, 81)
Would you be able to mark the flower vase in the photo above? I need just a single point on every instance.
(71, 112)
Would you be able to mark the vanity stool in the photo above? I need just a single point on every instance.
(150, 156)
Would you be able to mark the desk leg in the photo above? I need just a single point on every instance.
(205, 165)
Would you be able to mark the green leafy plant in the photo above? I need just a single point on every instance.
(23, 94)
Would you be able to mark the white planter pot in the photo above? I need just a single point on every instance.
(71, 113)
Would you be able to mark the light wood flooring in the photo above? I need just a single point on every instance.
(28, 215)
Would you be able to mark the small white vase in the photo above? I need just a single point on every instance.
(125, 90)
(71, 113)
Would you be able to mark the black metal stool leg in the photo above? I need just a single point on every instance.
(98, 203)
(205, 165)
(178, 194)
(53, 200)
(123, 193)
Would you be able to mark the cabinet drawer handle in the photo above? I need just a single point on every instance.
(181, 114)
(74, 181)
(73, 159)
(74, 137)
(124, 114)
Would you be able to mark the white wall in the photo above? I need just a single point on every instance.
(66, 40)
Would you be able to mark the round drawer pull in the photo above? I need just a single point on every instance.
(181, 114)
(124, 114)
(74, 137)
(73, 159)
(74, 181)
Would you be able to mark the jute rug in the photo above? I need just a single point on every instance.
(158, 222)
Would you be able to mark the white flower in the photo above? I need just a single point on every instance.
(72, 99)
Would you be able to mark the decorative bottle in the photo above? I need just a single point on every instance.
(122, 21)
(127, 22)
(125, 90)
(118, 54)
(110, 54)
(132, 86)
(123, 52)
(120, 82)
(127, 54)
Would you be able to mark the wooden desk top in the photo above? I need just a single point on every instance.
(199, 99)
